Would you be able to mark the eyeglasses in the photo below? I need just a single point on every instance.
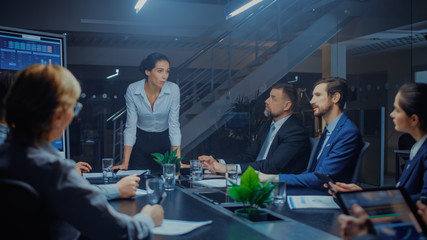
(77, 108)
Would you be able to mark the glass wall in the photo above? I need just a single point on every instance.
(376, 45)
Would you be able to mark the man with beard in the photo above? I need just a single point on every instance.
(282, 145)
(340, 144)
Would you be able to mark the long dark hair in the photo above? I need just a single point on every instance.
(413, 101)
(150, 62)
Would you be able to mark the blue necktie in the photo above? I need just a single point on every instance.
(267, 142)
(318, 149)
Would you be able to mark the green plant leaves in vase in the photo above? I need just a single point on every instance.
(251, 192)
(166, 158)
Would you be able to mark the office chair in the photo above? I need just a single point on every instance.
(22, 211)
(365, 147)
(313, 145)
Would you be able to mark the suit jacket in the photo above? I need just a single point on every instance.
(289, 152)
(414, 176)
(337, 160)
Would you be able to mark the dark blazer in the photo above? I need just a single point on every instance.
(289, 152)
(414, 176)
(337, 160)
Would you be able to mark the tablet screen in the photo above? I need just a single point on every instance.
(390, 210)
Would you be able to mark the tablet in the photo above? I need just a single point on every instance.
(390, 210)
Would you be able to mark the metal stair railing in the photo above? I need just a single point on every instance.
(118, 120)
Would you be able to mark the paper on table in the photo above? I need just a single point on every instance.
(211, 183)
(92, 175)
(296, 202)
(177, 227)
(122, 173)
(140, 192)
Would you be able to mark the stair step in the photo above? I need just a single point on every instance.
(190, 115)
(207, 103)
(221, 91)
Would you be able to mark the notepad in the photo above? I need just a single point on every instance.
(177, 227)
(301, 202)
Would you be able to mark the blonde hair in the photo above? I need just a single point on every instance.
(39, 90)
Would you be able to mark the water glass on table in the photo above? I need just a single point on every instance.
(169, 176)
(279, 194)
(231, 174)
(155, 189)
(107, 170)
(196, 169)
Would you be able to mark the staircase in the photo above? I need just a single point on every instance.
(250, 57)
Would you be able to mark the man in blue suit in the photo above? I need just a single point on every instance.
(340, 144)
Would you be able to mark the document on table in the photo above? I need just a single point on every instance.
(177, 227)
(298, 202)
(92, 175)
(123, 173)
(211, 182)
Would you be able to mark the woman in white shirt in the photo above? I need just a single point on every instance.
(152, 124)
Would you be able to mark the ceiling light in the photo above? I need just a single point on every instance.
(243, 8)
(114, 75)
(139, 5)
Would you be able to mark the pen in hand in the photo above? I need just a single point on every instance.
(162, 198)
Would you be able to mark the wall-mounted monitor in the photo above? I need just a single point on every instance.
(20, 48)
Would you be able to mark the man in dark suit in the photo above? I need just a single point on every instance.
(340, 144)
(282, 145)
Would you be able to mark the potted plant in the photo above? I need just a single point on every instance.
(168, 159)
(253, 194)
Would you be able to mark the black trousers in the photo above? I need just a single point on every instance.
(146, 144)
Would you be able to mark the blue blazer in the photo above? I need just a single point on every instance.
(337, 160)
(414, 175)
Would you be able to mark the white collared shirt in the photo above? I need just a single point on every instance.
(164, 115)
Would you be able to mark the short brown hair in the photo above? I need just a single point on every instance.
(36, 94)
(290, 91)
(335, 85)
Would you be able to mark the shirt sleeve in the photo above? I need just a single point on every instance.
(110, 191)
(84, 207)
(129, 134)
(174, 126)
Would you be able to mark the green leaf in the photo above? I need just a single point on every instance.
(158, 157)
(240, 194)
(249, 179)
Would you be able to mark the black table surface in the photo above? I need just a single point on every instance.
(183, 204)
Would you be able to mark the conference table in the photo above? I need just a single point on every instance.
(284, 223)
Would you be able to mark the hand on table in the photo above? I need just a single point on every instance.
(212, 164)
(128, 185)
(342, 187)
(156, 213)
(265, 177)
(121, 167)
(357, 226)
(82, 167)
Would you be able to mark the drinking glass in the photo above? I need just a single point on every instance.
(196, 169)
(231, 174)
(280, 194)
(155, 189)
(169, 176)
(107, 170)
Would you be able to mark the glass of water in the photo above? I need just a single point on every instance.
(169, 176)
(231, 174)
(280, 194)
(196, 169)
(155, 189)
(107, 170)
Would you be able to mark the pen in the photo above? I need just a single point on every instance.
(162, 198)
